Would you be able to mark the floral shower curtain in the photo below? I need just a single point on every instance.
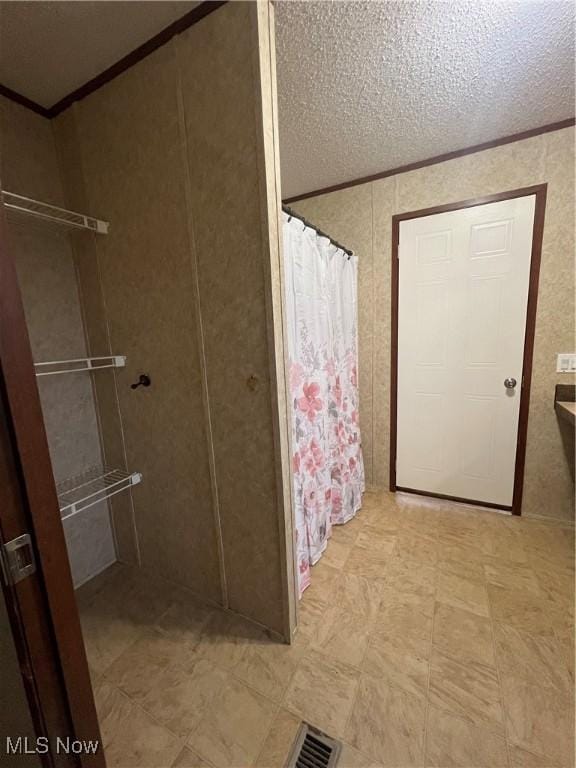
(321, 309)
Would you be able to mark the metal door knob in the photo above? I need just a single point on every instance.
(510, 383)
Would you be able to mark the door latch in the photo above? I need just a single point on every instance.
(18, 560)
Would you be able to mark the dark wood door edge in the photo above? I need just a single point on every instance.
(459, 499)
(42, 515)
(471, 203)
(27, 610)
(394, 293)
(536, 258)
(539, 191)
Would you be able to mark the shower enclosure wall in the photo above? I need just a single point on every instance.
(178, 156)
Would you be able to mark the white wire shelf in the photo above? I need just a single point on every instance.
(53, 367)
(95, 485)
(52, 213)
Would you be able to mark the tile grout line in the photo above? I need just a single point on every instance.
(497, 668)
(196, 755)
(268, 732)
(359, 678)
(228, 672)
(350, 713)
(358, 669)
(136, 703)
(427, 700)
(501, 733)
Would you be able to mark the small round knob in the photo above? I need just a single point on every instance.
(510, 383)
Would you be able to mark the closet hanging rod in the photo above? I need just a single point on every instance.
(19, 204)
(93, 486)
(86, 364)
(318, 231)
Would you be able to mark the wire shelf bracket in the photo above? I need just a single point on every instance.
(91, 487)
(19, 204)
(53, 367)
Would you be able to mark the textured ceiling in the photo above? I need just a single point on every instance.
(368, 86)
(48, 49)
(362, 86)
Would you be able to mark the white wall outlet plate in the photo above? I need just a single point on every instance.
(566, 362)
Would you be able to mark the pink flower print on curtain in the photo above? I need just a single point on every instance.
(327, 466)
(310, 403)
(313, 458)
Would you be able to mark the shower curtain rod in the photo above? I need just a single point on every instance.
(306, 223)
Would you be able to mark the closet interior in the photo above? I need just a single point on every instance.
(65, 365)
(143, 222)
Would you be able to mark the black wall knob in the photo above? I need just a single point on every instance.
(143, 381)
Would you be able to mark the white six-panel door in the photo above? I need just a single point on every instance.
(463, 291)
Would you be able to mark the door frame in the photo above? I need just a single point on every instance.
(43, 610)
(539, 191)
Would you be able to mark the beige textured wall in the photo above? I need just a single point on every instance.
(360, 217)
(172, 155)
(223, 145)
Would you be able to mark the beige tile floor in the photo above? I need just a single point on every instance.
(436, 636)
